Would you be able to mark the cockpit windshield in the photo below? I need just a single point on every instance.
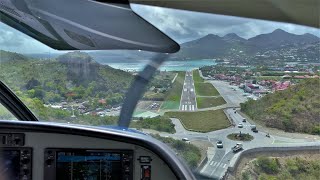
(235, 84)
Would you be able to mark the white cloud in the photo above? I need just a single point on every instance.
(180, 25)
(186, 25)
(15, 41)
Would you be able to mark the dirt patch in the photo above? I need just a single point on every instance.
(246, 161)
(203, 146)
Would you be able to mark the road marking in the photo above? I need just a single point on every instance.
(224, 166)
(211, 163)
(182, 108)
(191, 89)
(214, 163)
(218, 164)
(273, 139)
(220, 161)
(192, 107)
(185, 89)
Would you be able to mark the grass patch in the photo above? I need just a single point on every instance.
(242, 137)
(276, 78)
(155, 96)
(190, 153)
(206, 89)
(206, 102)
(202, 121)
(170, 105)
(196, 76)
(175, 92)
(157, 123)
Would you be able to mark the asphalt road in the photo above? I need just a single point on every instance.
(231, 94)
(188, 96)
(219, 159)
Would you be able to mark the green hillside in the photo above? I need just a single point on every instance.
(296, 109)
(9, 56)
(69, 77)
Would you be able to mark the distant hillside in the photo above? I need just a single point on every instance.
(234, 48)
(211, 46)
(280, 38)
(8, 56)
(275, 46)
(73, 75)
(296, 109)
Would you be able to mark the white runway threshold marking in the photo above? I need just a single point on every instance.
(214, 163)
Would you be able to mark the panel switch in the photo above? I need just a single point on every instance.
(145, 172)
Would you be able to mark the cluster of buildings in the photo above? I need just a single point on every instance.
(84, 108)
(265, 86)
(261, 81)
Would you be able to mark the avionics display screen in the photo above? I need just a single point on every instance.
(10, 164)
(91, 165)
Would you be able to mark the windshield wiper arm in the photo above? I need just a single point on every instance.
(137, 89)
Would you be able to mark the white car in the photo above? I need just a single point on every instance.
(185, 139)
(240, 125)
(219, 144)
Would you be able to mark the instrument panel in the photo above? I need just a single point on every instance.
(68, 164)
(66, 157)
(37, 155)
(15, 163)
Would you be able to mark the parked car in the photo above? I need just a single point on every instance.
(219, 144)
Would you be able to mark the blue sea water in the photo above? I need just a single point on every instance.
(166, 66)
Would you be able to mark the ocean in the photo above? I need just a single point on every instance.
(166, 66)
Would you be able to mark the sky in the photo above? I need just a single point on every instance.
(182, 26)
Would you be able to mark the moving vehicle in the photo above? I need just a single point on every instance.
(244, 120)
(219, 144)
(254, 128)
(185, 139)
(237, 147)
(240, 125)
